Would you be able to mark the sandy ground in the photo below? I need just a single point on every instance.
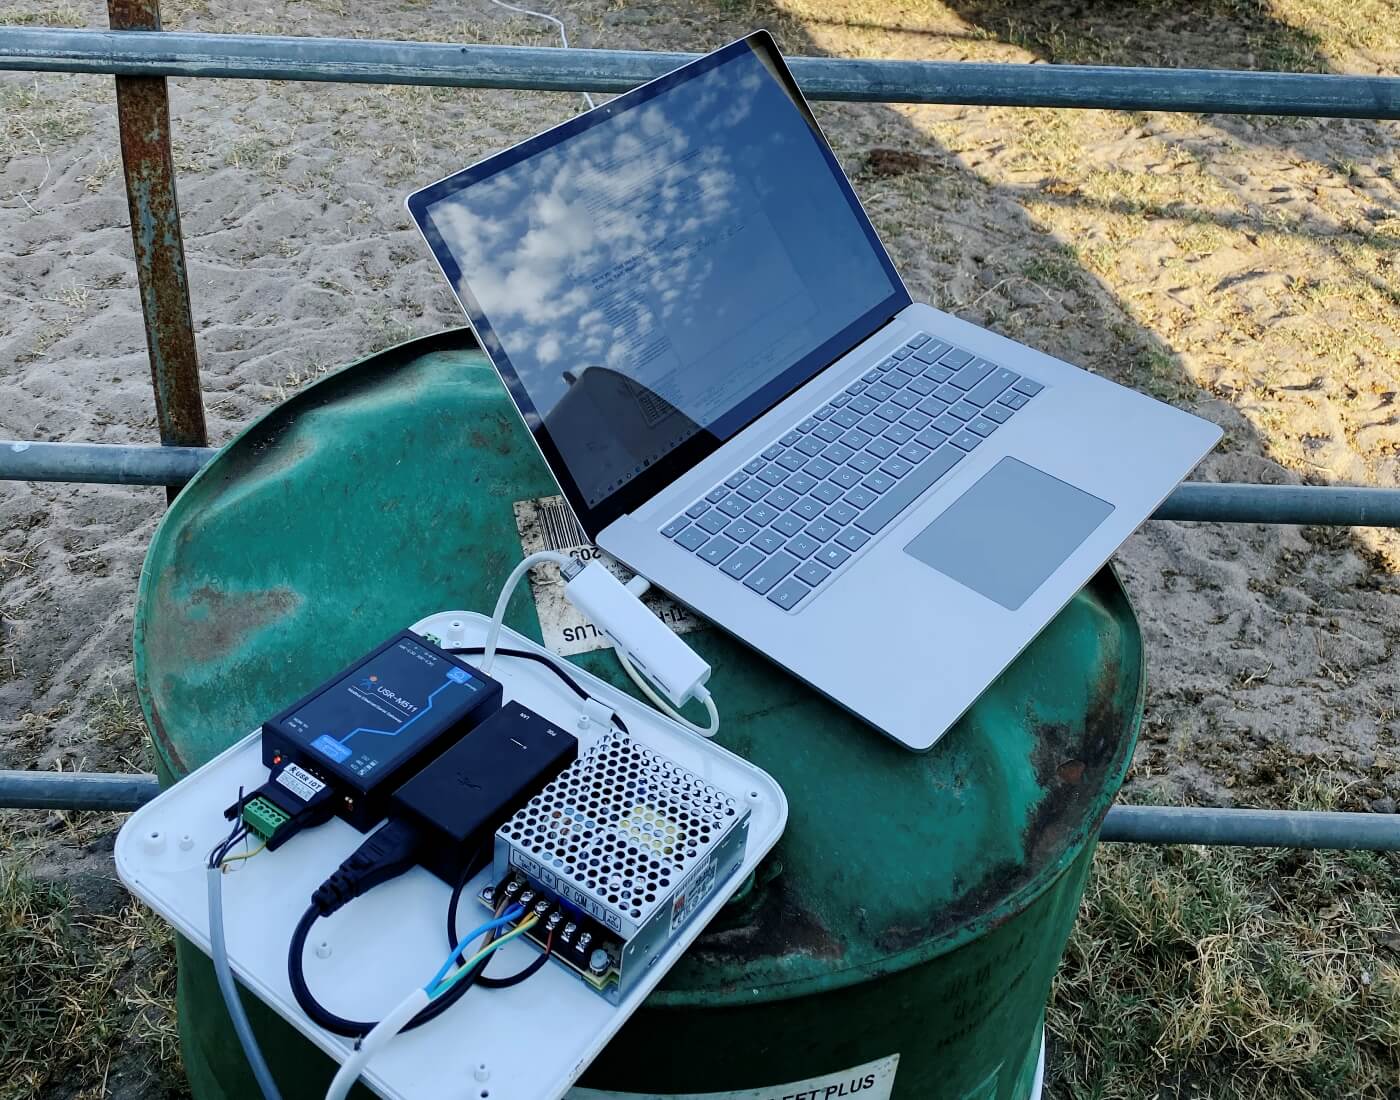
(1241, 267)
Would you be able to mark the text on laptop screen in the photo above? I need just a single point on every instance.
(667, 271)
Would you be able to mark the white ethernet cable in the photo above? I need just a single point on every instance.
(563, 34)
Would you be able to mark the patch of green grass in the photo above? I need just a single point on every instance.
(1236, 973)
(77, 989)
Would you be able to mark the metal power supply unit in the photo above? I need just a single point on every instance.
(614, 857)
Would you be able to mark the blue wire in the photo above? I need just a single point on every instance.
(457, 952)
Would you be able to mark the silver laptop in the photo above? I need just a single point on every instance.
(741, 402)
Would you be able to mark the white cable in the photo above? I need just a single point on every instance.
(664, 707)
(382, 1032)
(563, 34)
(218, 951)
(566, 564)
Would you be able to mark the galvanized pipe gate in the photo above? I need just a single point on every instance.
(141, 57)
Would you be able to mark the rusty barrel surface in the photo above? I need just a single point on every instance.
(917, 906)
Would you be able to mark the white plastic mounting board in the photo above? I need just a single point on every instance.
(529, 1042)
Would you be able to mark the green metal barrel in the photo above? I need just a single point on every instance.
(917, 905)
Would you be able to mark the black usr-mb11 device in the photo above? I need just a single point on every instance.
(345, 747)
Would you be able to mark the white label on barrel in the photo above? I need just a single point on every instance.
(872, 1081)
(547, 524)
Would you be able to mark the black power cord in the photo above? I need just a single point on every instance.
(541, 659)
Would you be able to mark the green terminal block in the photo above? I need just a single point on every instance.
(264, 818)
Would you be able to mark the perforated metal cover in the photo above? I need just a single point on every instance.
(624, 827)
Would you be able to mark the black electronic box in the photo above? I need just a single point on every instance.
(379, 722)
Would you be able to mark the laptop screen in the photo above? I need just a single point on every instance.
(653, 275)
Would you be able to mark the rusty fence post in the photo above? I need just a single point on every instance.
(143, 118)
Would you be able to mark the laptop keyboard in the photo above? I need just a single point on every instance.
(787, 520)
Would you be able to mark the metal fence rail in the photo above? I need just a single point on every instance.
(545, 69)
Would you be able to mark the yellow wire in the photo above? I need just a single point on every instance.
(519, 930)
(243, 855)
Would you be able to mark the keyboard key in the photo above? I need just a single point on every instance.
(787, 524)
(870, 376)
(881, 448)
(829, 431)
(807, 508)
(936, 372)
(861, 498)
(789, 439)
(741, 530)
(913, 452)
(879, 482)
(932, 406)
(824, 412)
(896, 467)
(887, 364)
(879, 392)
(717, 549)
(922, 385)
(800, 483)
(828, 493)
(717, 494)
(753, 489)
(714, 521)
(802, 546)
(947, 424)
(761, 514)
(930, 352)
(906, 399)
(902, 353)
(846, 418)
(808, 425)
(931, 438)
(812, 573)
(733, 505)
(792, 460)
(770, 572)
(788, 594)
(898, 434)
(855, 389)
(1014, 400)
(955, 358)
(772, 452)
(862, 405)
(872, 425)
(965, 410)
(973, 373)
(1029, 387)
(918, 340)
(833, 556)
(699, 508)
(736, 479)
(823, 530)
(889, 412)
(841, 400)
(989, 389)
(949, 393)
(966, 440)
(874, 519)
(819, 468)
(772, 474)
(767, 540)
(982, 426)
(842, 513)
(781, 498)
(837, 453)
(680, 523)
(864, 462)
(810, 445)
(693, 537)
(845, 477)
(856, 439)
(738, 564)
(852, 538)
(1000, 413)
(916, 420)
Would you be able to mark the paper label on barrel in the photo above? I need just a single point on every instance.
(547, 524)
(872, 1081)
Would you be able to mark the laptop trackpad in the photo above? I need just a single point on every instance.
(1009, 532)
